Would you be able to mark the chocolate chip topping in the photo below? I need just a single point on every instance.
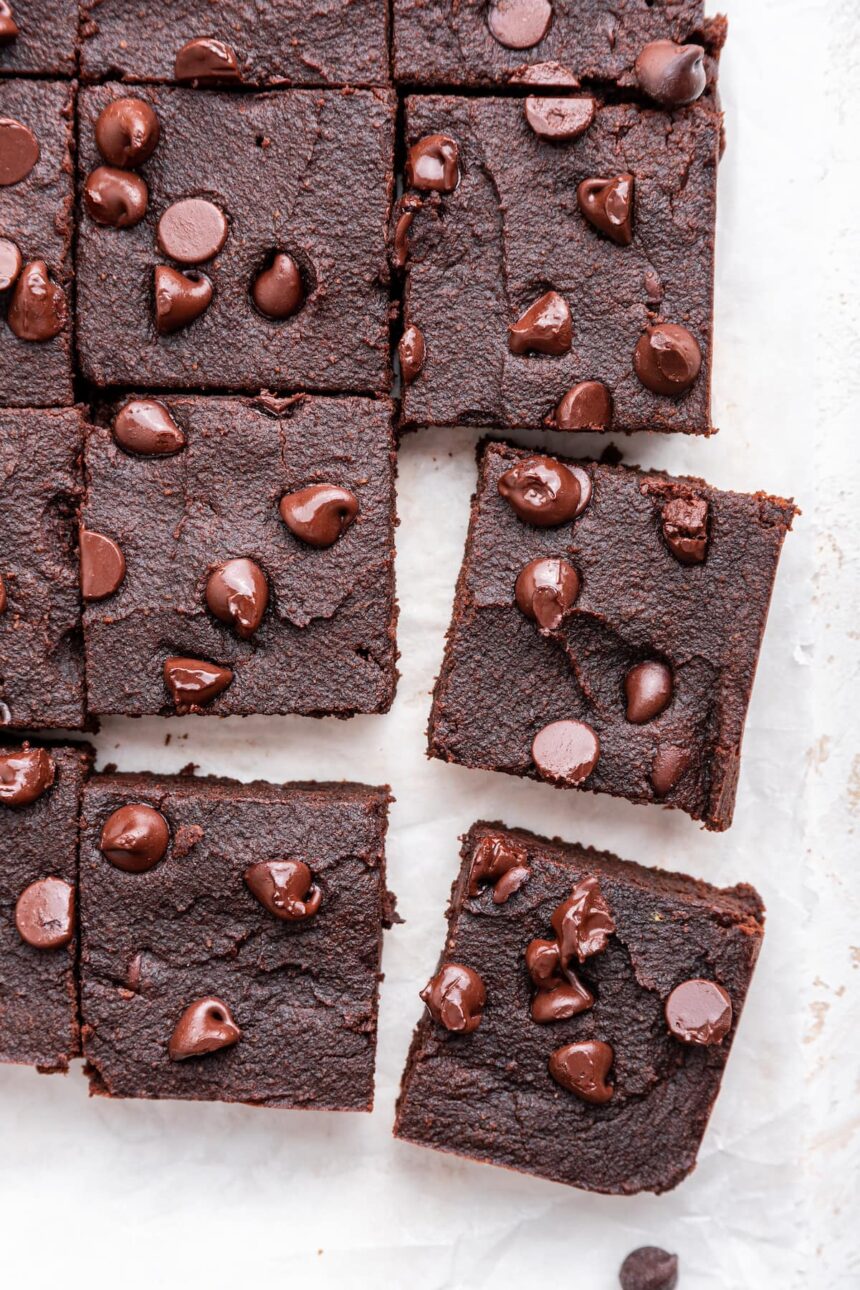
(319, 514)
(582, 1069)
(544, 328)
(684, 522)
(583, 923)
(285, 888)
(45, 914)
(519, 24)
(668, 766)
(408, 206)
(500, 863)
(648, 687)
(25, 775)
(455, 998)
(116, 198)
(194, 681)
(145, 426)
(205, 1026)
(546, 589)
(37, 309)
(127, 132)
(433, 164)
(207, 62)
(667, 359)
(411, 353)
(671, 74)
(586, 406)
(237, 592)
(3, 601)
(19, 151)
(102, 565)
(541, 491)
(649, 1268)
(559, 118)
(134, 838)
(565, 752)
(8, 25)
(608, 205)
(179, 299)
(278, 291)
(699, 1012)
(560, 994)
(192, 231)
(10, 263)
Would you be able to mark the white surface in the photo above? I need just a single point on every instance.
(94, 1193)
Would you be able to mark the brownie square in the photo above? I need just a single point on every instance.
(36, 217)
(512, 232)
(298, 979)
(607, 968)
(40, 798)
(325, 643)
(41, 651)
(307, 174)
(38, 37)
(332, 42)
(653, 649)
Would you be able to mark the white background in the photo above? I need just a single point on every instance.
(98, 1193)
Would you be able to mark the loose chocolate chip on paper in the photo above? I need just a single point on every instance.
(649, 1268)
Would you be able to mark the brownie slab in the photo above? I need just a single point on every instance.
(301, 990)
(41, 651)
(479, 257)
(324, 642)
(44, 43)
(299, 173)
(696, 626)
(490, 1094)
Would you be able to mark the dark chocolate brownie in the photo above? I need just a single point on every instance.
(273, 42)
(41, 652)
(536, 264)
(611, 996)
(40, 797)
(239, 550)
(293, 188)
(231, 939)
(652, 612)
(38, 37)
(36, 214)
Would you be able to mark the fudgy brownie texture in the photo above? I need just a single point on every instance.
(698, 626)
(276, 42)
(41, 652)
(302, 991)
(489, 1094)
(36, 217)
(512, 230)
(38, 37)
(321, 630)
(299, 173)
(38, 841)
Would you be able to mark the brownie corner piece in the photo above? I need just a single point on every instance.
(231, 942)
(38, 37)
(581, 1015)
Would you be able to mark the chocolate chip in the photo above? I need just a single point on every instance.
(519, 24)
(102, 565)
(501, 864)
(586, 406)
(145, 426)
(699, 1012)
(582, 1069)
(207, 62)
(543, 961)
(565, 1000)
(3, 600)
(278, 292)
(179, 299)
(319, 514)
(194, 681)
(205, 1026)
(583, 923)
(237, 592)
(408, 206)
(19, 151)
(116, 198)
(565, 752)
(8, 25)
(25, 774)
(134, 838)
(455, 998)
(671, 74)
(127, 132)
(685, 527)
(37, 309)
(561, 118)
(191, 230)
(45, 914)
(411, 353)
(649, 1268)
(648, 687)
(585, 487)
(433, 164)
(667, 359)
(10, 263)
(608, 205)
(546, 589)
(285, 888)
(541, 491)
(544, 328)
(668, 766)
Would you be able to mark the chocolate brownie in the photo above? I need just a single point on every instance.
(231, 939)
(267, 42)
(606, 630)
(38, 37)
(40, 797)
(551, 244)
(243, 247)
(41, 652)
(238, 557)
(36, 213)
(578, 1025)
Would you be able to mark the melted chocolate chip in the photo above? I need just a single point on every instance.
(145, 426)
(8, 25)
(546, 589)
(285, 888)
(25, 775)
(608, 205)
(319, 514)
(565, 1000)
(685, 528)
(543, 961)
(582, 1069)
(455, 998)
(649, 688)
(699, 1012)
(408, 207)
(102, 565)
(194, 681)
(115, 198)
(586, 406)
(10, 263)
(667, 359)
(127, 132)
(433, 164)
(179, 299)
(19, 151)
(565, 752)
(541, 491)
(37, 309)
(278, 292)
(559, 119)
(205, 1026)
(544, 328)
(411, 353)
(3, 601)
(45, 914)
(501, 864)
(191, 231)
(649, 1268)
(673, 75)
(668, 766)
(519, 24)
(207, 62)
(134, 838)
(237, 592)
(583, 923)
